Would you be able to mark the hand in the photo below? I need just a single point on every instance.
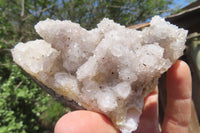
(177, 113)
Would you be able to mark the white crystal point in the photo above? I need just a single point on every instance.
(109, 69)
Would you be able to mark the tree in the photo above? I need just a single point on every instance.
(23, 105)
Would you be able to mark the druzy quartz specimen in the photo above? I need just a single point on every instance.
(109, 69)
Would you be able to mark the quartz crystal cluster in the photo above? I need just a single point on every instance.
(109, 69)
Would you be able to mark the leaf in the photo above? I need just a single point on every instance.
(21, 94)
(3, 129)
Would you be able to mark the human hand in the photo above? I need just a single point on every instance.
(177, 113)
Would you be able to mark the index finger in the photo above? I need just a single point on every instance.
(178, 109)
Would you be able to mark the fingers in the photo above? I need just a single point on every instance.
(178, 109)
(84, 122)
(149, 118)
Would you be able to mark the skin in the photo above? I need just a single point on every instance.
(177, 113)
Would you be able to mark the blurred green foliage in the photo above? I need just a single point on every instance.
(24, 107)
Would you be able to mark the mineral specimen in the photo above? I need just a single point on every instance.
(109, 69)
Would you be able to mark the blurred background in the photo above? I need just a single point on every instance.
(26, 108)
